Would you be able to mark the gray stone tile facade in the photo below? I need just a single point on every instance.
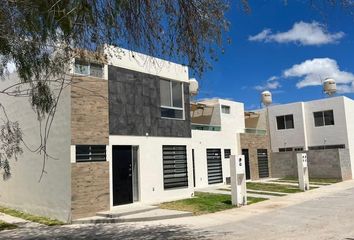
(134, 106)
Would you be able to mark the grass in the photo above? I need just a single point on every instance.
(30, 217)
(296, 181)
(204, 203)
(273, 187)
(267, 193)
(6, 226)
(314, 180)
(256, 192)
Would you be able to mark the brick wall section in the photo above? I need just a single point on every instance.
(252, 142)
(329, 163)
(89, 111)
(90, 188)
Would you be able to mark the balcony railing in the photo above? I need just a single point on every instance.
(256, 131)
(205, 127)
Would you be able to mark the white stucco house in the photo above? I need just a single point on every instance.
(314, 125)
(123, 135)
(216, 127)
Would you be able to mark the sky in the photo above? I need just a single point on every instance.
(287, 49)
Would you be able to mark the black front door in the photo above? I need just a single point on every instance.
(247, 163)
(122, 175)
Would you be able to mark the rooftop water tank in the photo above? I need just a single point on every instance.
(329, 86)
(193, 87)
(266, 98)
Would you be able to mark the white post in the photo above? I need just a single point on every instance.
(238, 180)
(303, 173)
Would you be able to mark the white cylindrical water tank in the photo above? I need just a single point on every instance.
(193, 87)
(266, 98)
(329, 86)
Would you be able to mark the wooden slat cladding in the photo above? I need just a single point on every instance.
(89, 111)
(89, 188)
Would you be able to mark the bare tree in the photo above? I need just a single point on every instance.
(41, 37)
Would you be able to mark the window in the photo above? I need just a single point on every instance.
(296, 149)
(227, 153)
(327, 147)
(285, 149)
(175, 174)
(171, 96)
(323, 118)
(88, 69)
(285, 122)
(225, 109)
(90, 153)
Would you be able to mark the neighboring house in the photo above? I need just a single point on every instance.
(255, 145)
(216, 124)
(323, 128)
(121, 134)
(315, 125)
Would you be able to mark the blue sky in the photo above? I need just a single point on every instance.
(321, 44)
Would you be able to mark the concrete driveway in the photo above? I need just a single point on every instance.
(325, 213)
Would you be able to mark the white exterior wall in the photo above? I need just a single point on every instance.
(305, 134)
(150, 167)
(202, 140)
(51, 196)
(286, 137)
(228, 138)
(349, 114)
(146, 64)
(331, 134)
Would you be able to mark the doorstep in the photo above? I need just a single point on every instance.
(138, 213)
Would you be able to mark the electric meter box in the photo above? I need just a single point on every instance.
(238, 180)
(304, 160)
(240, 164)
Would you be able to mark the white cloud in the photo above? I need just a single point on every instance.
(271, 84)
(312, 71)
(302, 33)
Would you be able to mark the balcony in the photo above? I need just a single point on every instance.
(256, 131)
(205, 127)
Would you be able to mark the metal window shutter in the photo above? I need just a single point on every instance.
(175, 172)
(263, 169)
(214, 166)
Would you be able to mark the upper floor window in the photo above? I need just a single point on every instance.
(323, 118)
(285, 122)
(88, 69)
(225, 109)
(171, 95)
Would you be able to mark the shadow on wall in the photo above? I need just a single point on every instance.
(106, 231)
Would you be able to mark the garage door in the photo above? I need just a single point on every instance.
(214, 166)
(263, 169)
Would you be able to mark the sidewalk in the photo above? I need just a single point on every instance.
(238, 214)
(17, 221)
(324, 213)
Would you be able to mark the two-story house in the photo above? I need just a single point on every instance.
(216, 128)
(121, 134)
(314, 126)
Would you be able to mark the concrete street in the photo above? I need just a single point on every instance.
(325, 213)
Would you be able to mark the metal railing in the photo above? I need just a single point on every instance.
(205, 127)
(256, 131)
